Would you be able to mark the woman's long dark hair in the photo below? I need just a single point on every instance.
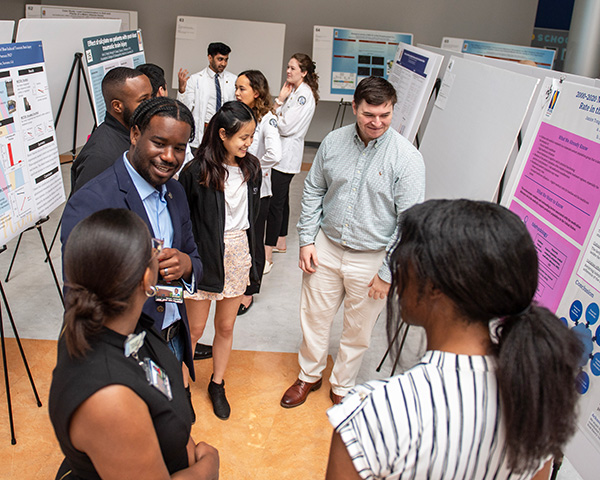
(311, 78)
(208, 162)
(104, 261)
(263, 104)
(482, 257)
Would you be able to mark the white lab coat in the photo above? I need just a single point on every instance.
(293, 120)
(197, 92)
(266, 146)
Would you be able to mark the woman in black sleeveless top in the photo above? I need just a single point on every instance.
(117, 401)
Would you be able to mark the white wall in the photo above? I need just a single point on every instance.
(507, 21)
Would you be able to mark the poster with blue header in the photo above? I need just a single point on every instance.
(539, 57)
(105, 52)
(31, 184)
(357, 54)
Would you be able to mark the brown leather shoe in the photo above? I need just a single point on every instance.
(297, 393)
(336, 399)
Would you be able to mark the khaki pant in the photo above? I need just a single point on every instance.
(343, 275)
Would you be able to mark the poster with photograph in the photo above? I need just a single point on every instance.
(344, 56)
(105, 52)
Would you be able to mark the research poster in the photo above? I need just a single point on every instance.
(556, 192)
(31, 185)
(105, 52)
(542, 57)
(413, 75)
(345, 56)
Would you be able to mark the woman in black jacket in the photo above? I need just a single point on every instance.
(222, 185)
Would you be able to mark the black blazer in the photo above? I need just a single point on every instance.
(207, 210)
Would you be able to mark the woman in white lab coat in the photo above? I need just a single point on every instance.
(296, 104)
(252, 88)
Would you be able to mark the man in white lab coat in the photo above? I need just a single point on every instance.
(206, 91)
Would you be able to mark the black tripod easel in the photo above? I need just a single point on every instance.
(13, 438)
(341, 108)
(387, 352)
(38, 227)
(77, 65)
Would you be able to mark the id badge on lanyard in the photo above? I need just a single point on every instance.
(169, 292)
(156, 376)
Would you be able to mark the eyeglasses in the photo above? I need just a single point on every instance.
(157, 247)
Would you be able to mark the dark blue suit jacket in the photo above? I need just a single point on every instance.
(114, 188)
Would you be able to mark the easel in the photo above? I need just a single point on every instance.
(341, 107)
(13, 439)
(38, 226)
(387, 352)
(77, 64)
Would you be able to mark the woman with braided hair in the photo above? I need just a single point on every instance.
(117, 401)
(494, 396)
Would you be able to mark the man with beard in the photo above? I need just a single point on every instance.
(141, 181)
(123, 90)
(204, 92)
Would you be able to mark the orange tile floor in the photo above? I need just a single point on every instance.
(261, 440)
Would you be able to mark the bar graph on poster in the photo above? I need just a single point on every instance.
(556, 192)
(30, 179)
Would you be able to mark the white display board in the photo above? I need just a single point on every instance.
(105, 52)
(413, 76)
(31, 184)
(344, 56)
(129, 18)
(447, 55)
(545, 76)
(62, 38)
(7, 29)
(555, 190)
(473, 127)
(254, 46)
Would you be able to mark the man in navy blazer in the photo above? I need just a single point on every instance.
(141, 181)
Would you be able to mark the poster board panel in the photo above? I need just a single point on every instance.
(344, 56)
(473, 126)
(31, 184)
(105, 52)
(534, 109)
(245, 38)
(413, 76)
(447, 55)
(129, 18)
(555, 190)
(61, 38)
(542, 57)
(7, 28)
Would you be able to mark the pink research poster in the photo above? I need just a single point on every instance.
(555, 190)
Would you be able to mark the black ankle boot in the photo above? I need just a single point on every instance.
(217, 397)
(189, 397)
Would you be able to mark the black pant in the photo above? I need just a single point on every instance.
(279, 209)
(259, 251)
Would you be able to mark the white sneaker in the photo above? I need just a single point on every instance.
(268, 267)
